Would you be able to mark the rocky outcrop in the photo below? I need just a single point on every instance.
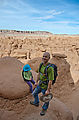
(25, 47)
(64, 80)
(16, 32)
(12, 85)
(34, 63)
(56, 111)
(60, 110)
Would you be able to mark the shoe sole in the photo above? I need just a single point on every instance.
(43, 113)
(34, 104)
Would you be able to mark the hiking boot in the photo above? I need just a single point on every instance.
(43, 112)
(35, 104)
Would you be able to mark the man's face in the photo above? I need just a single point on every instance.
(45, 57)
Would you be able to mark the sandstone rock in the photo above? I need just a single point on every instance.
(73, 103)
(12, 85)
(36, 45)
(60, 110)
(64, 80)
(34, 63)
(8, 115)
(59, 55)
(57, 111)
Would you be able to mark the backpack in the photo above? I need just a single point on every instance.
(46, 74)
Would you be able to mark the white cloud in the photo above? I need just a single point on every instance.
(20, 13)
(54, 12)
(60, 22)
(48, 14)
(43, 18)
(21, 6)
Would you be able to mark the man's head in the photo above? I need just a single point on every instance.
(46, 57)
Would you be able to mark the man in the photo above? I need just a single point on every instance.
(43, 86)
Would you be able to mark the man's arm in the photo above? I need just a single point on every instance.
(51, 78)
(49, 87)
(36, 83)
(38, 77)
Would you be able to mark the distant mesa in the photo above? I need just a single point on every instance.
(25, 32)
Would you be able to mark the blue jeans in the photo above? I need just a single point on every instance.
(35, 93)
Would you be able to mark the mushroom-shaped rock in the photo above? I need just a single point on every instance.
(12, 85)
(59, 55)
(64, 79)
(34, 63)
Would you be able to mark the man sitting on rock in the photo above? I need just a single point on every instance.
(43, 86)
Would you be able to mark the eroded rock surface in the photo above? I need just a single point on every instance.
(12, 85)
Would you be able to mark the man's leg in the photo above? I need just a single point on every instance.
(35, 94)
(45, 105)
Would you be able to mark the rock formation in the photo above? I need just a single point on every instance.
(26, 47)
(12, 85)
(23, 47)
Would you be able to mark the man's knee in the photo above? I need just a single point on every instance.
(35, 92)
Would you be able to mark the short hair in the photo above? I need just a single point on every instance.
(48, 54)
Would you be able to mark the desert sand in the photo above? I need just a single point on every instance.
(17, 49)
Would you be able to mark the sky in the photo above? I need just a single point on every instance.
(55, 16)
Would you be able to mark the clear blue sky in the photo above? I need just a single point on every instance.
(56, 16)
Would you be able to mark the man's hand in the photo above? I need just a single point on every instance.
(35, 85)
(49, 87)
(47, 92)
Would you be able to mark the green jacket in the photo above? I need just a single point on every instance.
(43, 78)
(27, 75)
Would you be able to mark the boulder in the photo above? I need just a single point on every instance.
(60, 110)
(59, 55)
(12, 85)
(64, 81)
(34, 63)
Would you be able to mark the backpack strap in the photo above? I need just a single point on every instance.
(45, 71)
(40, 66)
(55, 71)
